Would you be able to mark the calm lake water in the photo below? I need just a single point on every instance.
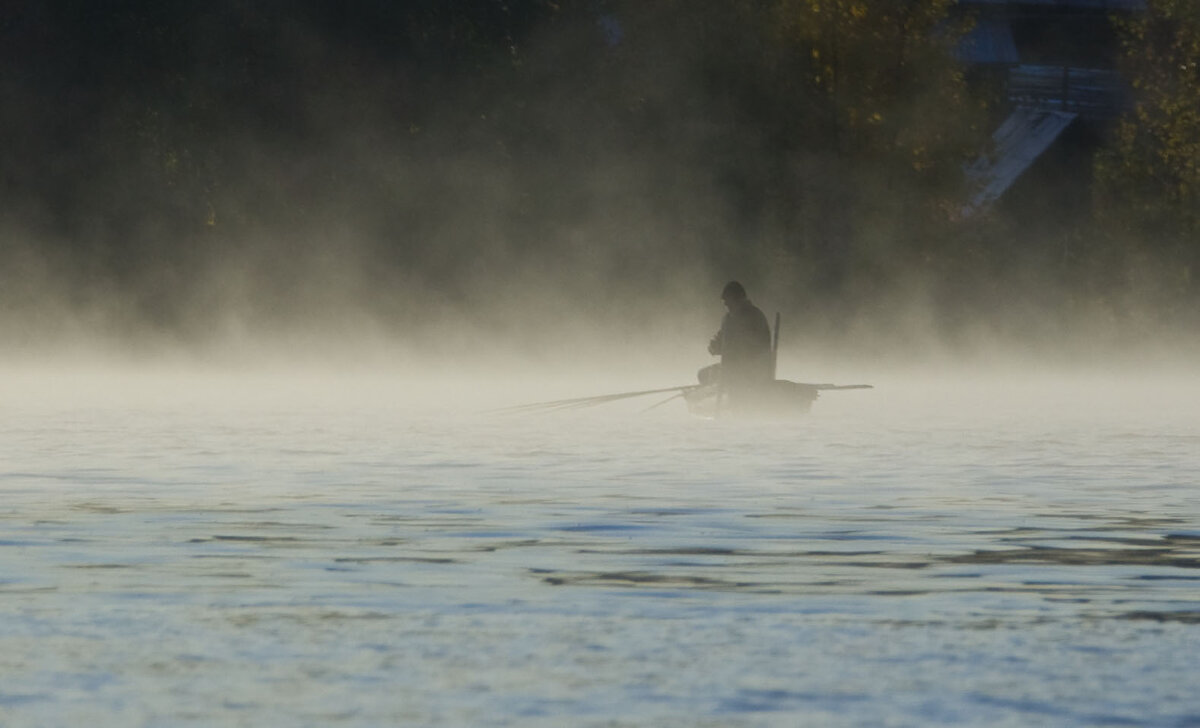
(1003, 553)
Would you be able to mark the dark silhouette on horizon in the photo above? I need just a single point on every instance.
(744, 345)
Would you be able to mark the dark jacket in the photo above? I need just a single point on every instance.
(744, 345)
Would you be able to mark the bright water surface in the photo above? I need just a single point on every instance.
(908, 556)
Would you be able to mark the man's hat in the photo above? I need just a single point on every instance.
(733, 292)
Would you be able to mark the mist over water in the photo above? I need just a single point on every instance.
(267, 274)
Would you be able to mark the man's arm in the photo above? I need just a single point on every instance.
(716, 345)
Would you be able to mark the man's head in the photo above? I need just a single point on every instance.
(733, 293)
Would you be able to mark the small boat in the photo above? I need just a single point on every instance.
(779, 398)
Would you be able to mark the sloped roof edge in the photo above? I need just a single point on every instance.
(1021, 139)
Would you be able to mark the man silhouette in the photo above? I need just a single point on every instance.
(744, 345)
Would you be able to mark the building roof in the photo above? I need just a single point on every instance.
(1090, 92)
(1020, 140)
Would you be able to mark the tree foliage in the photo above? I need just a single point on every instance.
(815, 143)
(1148, 188)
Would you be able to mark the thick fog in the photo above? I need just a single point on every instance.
(564, 192)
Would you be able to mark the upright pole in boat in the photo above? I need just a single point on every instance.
(775, 348)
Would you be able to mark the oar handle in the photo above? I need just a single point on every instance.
(584, 401)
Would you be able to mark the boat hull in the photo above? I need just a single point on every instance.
(781, 398)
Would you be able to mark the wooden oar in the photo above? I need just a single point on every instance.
(576, 402)
(581, 402)
(824, 387)
(672, 398)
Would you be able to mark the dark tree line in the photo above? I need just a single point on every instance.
(450, 147)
